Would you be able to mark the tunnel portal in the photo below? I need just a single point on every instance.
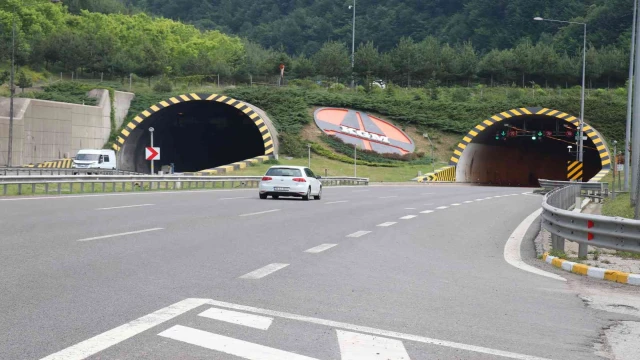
(195, 132)
(520, 146)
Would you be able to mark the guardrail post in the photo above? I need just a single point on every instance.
(557, 242)
(19, 189)
(583, 250)
(103, 187)
(59, 188)
(46, 188)
(4, 189)
(33, 188)
(93, 187)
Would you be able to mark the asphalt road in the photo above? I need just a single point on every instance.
(393, 272)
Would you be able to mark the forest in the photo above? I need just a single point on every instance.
(422, 43)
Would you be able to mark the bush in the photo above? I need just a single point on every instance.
(292, 145)
(272, 162)
(318, 149)
(163, 86)
(460, 95)
(337, 87)
(305, 84)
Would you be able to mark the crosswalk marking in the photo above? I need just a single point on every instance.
(240, 348)
(263, 271)
(238, 318)
(355, 346)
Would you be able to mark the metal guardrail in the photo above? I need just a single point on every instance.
(595, 190)
(586, 229)
(25, 171)
(144, 182)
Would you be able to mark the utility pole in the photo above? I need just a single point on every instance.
(12, 89)
(355, 156)
(151, 132)
(615, 167)
(635, 128)
(353, 45)
(627, 140)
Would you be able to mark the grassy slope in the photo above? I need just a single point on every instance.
(336, 168)
(621, 206)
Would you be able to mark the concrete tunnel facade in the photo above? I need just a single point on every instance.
(485, 156)
(197, 132)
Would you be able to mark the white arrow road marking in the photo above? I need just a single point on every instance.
(354, 346)
(238, 318)
(121, 234)
(357, 234)
(263, 271)
(320, 248)
(124, 207)
(227, 345)
(512, 248)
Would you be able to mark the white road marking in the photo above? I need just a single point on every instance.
(374, 331)
(408, 217)
(320, 248)
(336, 202)
(468, 202)
(121, 234)
(387, 224)
(428, 193)
(514, 194)
(260, 212)
(124, 207)
(426, 212)
(455, 204)
(358, 233)
(228, 345)
(531, 194)
(389, 197)
(498, 196)
(479, 199)
(442, 207)
(409, 208)
(488, 197)
(238, 318)
(235, 198)
(89, 347)
(355, 346)
(263, 271)
(512, 248)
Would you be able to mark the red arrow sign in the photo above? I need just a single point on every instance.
(152, 153)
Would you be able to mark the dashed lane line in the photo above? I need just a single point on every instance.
(455, 204)
(442, 207)
(124, 207)
(260, 212)
(387, 224)
(336, 202)
(468, 202)
(388, 197)
(263, 271)
(407, 217)
(357, 234)
(120, 234)
(426, 212)
(235, 198)
(320, 248)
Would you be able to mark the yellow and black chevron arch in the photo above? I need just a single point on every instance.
(257, 120)
(605, 159)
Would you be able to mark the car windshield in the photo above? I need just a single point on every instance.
(284, 172)
(88, 157)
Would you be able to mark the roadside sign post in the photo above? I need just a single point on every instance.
(152, 153)
(151, 132)
(615, 168)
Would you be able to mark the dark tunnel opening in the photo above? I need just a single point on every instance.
(194, 136)
(512, 153)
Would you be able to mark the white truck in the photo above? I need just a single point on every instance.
(95, 159)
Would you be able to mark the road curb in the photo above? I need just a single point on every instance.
(594, 272)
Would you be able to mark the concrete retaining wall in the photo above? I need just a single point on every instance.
(46, 130)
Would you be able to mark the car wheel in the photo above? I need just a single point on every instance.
(263, 196)
(307, 196)
(275, 196)
(319, 196)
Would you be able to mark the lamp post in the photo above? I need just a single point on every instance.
(12, 88)
(615, 167)
(584, 67)
(353, 43)
(627, 139)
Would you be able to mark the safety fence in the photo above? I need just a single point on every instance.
(586, 229)
(27, 171)
(58, 184)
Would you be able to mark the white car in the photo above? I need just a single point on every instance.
(296, 181)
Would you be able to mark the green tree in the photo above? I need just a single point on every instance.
(332, 60)
(23, 81)
(406, 59)
(367, 60)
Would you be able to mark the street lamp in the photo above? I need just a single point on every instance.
(12, 89)
(584, 66)
(353, 44)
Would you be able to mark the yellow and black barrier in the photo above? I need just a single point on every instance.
(574, 170)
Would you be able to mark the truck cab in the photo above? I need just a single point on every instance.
(95, 159)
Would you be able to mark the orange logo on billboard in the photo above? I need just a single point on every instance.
(358, 128)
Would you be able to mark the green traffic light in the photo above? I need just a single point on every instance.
(540, 133)
(533, 138)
